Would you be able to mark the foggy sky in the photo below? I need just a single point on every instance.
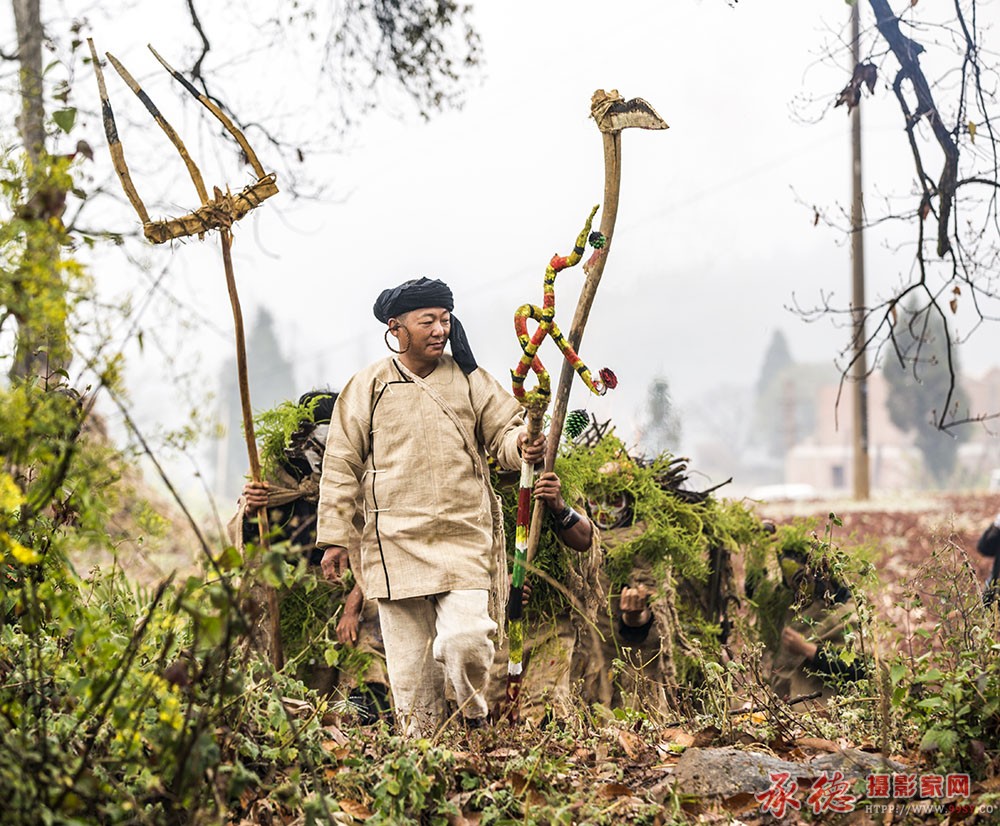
(715, 237)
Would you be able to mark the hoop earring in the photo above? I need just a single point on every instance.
(385, 336)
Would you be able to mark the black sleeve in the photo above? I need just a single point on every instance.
(829, 664)
(634, 633)
(989, 542)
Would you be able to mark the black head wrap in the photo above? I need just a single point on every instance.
(427, 292)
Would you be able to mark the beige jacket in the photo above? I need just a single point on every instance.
(427, 510)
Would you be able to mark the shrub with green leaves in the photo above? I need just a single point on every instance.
(947, 697)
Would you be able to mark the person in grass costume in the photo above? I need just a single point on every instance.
(409, 441)
(631, 622)
(811, 654)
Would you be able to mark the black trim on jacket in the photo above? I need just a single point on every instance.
(371, 452)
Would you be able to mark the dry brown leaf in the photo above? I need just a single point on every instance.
(609, 791)
(677, 737)
(337, 735)
(359, 811)
(818, 743)
(297, 709)
(247, 796)
(706, 737)
(336, 750)
(740, 803)
(630, 743)
(518, 782)
(991, 785)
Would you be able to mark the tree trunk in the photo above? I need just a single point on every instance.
(31, 121)
(39, 294)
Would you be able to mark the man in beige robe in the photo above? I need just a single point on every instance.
(412, 433)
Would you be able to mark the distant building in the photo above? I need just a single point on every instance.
(824, 458)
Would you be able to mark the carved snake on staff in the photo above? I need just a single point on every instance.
(547, 327)
(535, 402)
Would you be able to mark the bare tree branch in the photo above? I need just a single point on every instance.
(908, 52)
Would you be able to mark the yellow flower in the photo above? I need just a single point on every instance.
(24, 555)
(11, 496)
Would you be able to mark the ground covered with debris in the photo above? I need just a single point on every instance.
(861, 760)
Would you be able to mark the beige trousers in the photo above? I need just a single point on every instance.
(433, 640)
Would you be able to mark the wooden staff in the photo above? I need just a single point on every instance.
(612, 114)
(515, 604)
(263, 527)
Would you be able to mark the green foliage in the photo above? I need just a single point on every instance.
(949, 696)
(770, 599)
(675, 532)
(39, 283)
(310, 610)
(274, 429)
(413, 785)
(670, 546)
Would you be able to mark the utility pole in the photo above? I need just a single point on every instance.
(859, 371)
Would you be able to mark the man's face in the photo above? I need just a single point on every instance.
(425, 333)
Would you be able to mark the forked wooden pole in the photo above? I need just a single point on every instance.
(220, 214)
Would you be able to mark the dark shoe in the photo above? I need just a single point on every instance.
(371, 704)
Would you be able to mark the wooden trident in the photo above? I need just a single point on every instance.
(219, 212)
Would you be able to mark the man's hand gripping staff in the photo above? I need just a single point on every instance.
(535, 403)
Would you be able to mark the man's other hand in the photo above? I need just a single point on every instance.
(548, 488)
(797, 643)
(335, 562)
(347, 628)
(635, 606)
